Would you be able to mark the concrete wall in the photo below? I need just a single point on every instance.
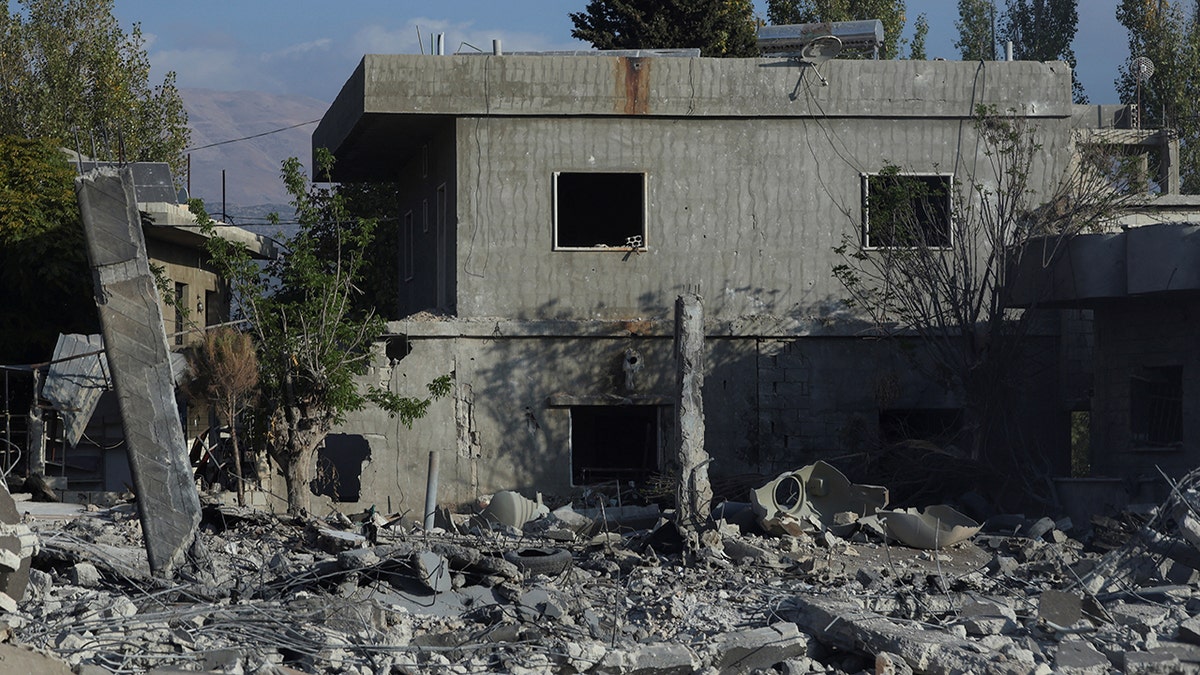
(748, 209)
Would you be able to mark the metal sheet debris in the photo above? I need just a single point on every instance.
(810, 499)
(934, 527)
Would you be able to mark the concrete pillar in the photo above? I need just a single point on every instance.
(135, 342)
(694, 493)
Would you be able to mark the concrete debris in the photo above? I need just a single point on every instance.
(934, 527)
(283, 594)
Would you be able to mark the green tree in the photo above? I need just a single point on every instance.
(313, 340)
(224, 372)
(976, 26)
(920, 33)
(68, 71)
(890, 12)
(718, 27)
(45, 284)
(1042, 30)
(1170, 37)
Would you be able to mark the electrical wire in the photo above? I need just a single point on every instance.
(246, 138)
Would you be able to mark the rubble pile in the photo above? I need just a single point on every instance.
(565, 594)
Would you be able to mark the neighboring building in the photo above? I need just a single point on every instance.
(94, 460)
(555, 206)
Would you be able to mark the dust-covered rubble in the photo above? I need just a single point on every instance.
(282, 594)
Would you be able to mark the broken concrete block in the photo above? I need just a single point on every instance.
(1189, 631)
(358, 558)
(1060, 609)
(1080, 658)
(846, 625)
(758, 648)
(646, 659)
(335, 541)
(891, 664)
(18, 659)
(84, 574)
(981, 617)
(740, 549)
(432, 570)
(1141, 618)
(1148, 663)
(1002, 565)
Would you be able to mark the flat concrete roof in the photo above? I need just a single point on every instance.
(392, 101)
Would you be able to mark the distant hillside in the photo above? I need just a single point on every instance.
(251, 166)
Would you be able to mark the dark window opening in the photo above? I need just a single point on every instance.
(339, 467)
(614, 443)
(906, 211)
(600, 210)
(212, 308)
(936, 425)
(1156, 406)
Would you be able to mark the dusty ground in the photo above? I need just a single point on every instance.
(282, 595)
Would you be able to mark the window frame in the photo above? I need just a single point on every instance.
(1147, 404)
(644, 214)
(865, 233)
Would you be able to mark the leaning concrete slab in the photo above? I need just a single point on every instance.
(136, 345)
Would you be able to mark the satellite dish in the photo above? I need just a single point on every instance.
(1143, 68)
(821, 49)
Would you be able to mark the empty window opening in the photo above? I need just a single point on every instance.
(906, 210)
(339, 467)
(936, 425)
(614, 443)
(1156, 406)
(599, 210)
(212, 308)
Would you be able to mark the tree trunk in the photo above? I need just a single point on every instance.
(237, 463)
(298, 473)
(297, 456)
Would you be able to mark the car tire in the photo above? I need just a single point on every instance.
(548, 561)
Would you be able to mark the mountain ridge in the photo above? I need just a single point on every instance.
(224, 121)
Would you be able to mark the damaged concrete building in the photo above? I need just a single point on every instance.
(75, 436)
(555, 206)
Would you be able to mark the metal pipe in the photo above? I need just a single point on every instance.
(496, 50)
(431, 486)
(1008, 51)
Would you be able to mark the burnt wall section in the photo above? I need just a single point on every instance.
(525, 391)
(138, 355)
(1146, 395)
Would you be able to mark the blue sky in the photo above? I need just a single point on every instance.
(308, 48)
